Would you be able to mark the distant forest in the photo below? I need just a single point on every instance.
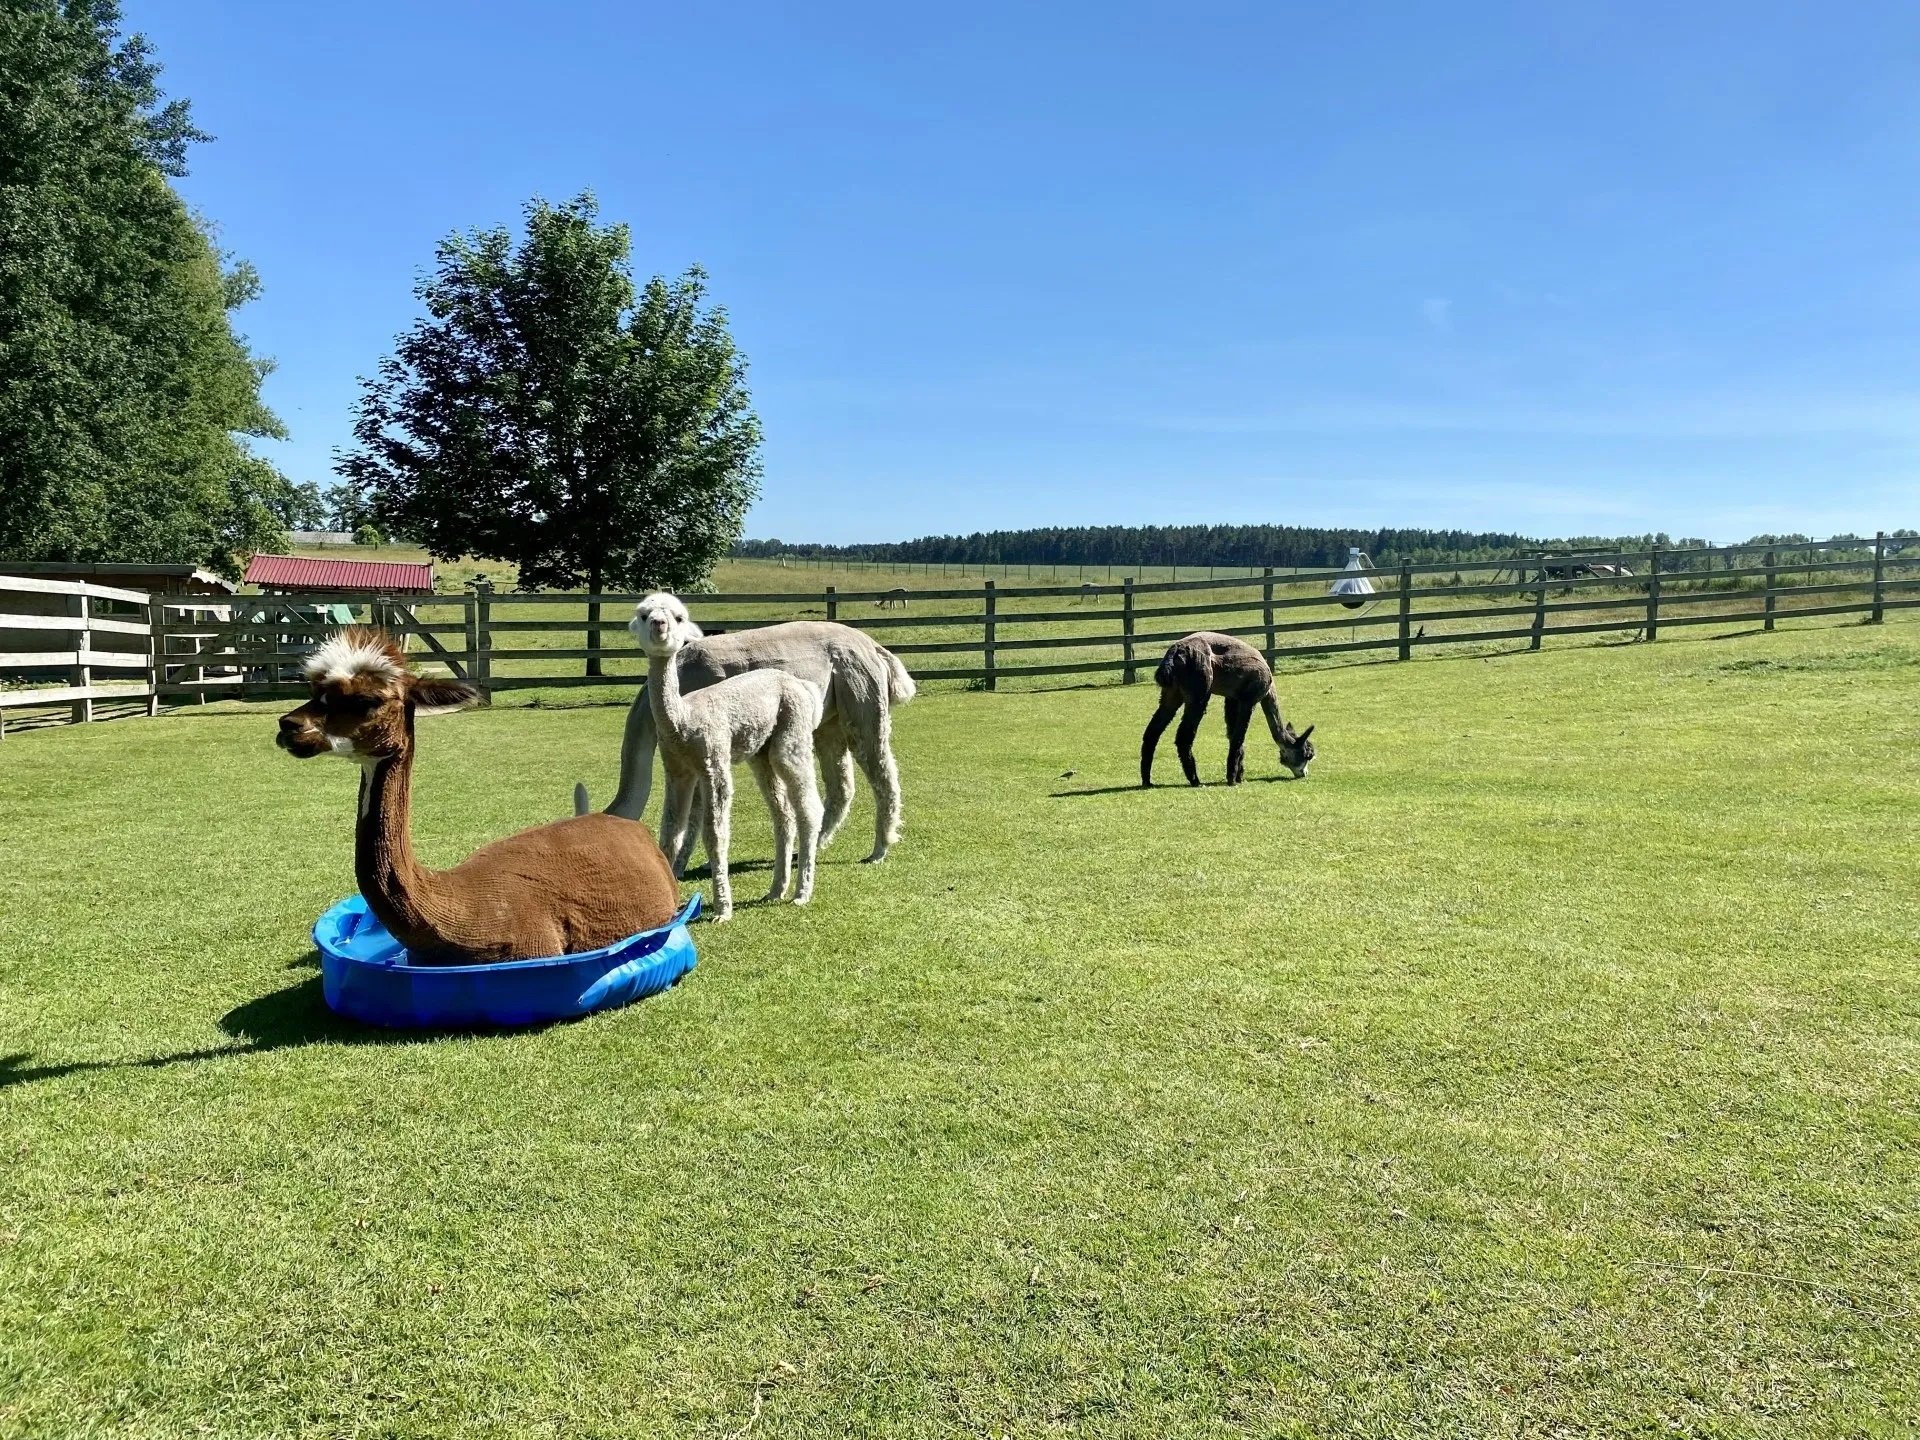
(1295, 546)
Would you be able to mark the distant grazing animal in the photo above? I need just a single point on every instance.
(863, 682)
(1087, 592)
(763, 717)
(895, 597)
(575, 885)
(1206, 664)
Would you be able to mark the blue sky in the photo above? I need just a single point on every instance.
(1546, 267)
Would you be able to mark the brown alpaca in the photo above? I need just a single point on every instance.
(1206, 664)
(553, 890)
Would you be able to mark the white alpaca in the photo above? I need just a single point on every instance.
(764, 717)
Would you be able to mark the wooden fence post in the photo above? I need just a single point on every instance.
(833, 604)
(1773, 595)
(1266, 611)
(156, 651)
(1879, 577)
(470, 623)
(482, 663)
(1406, 610)
(81, 674)
(1653, 595)
(1126, 629)
(1539, 612)
(988, 647)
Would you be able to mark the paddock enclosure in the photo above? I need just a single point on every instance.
(1545, 1065)
(992, 635)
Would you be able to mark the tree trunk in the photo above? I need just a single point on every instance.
(593, 621)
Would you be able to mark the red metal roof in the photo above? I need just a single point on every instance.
(294, 572)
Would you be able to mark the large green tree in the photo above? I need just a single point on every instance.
(548, 412)
(124, 390)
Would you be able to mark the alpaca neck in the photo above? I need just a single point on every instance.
(669, 705)
(399, 890)
(1270, 707)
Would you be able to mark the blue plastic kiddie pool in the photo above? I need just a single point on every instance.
(366, 975)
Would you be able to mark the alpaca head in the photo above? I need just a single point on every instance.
(363, 698)
(1296, 751)
(661, 624)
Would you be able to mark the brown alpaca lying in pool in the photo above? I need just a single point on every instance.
(552, 890)
(1205, 664)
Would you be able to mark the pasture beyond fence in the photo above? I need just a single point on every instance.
(184, 649)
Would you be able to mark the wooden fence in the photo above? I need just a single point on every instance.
(508, 640)
(94, 643)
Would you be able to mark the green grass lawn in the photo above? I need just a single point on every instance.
(1547, 1064)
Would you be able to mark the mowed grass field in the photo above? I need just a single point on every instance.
(1547, 1064)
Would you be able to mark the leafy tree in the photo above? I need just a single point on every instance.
(369, 535)
(547, 413)
(124, 391)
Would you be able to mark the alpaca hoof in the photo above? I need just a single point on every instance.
(774, 896)
(803, 898)
(876, 857)
(720, 917)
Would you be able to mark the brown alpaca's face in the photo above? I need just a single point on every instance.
(362, 695)
(353, 719)
(1296, 751)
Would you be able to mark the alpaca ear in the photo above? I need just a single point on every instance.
(693, 631)
(431, 695)
(1306, 732)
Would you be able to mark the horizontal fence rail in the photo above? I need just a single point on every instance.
(196, 648)
(54, 636)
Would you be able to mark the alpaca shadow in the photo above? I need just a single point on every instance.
(292, 1016)
(1137, 788)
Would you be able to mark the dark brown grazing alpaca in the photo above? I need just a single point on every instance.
(1205, 664)
(554, 890)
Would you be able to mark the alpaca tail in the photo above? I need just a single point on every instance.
(900, 686)
(580, 798)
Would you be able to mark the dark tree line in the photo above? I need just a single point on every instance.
(1236, 546)
(1230, 545)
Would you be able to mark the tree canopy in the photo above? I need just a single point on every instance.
(125, 393)
(546, 411)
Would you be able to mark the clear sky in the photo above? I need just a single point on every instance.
(1556, 268)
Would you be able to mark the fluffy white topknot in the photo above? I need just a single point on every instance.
(345, 655)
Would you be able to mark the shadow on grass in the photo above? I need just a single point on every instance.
(290, 1017)
(1136, 788)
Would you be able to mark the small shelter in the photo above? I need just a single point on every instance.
(300, 575)
(168, 580)
(328, 590)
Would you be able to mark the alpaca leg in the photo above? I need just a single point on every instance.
(676, 820)
(1183, 737)
(1239, 713)
(773, 791)
(836, 772)
(718, 823)
(1156, 727)
(806, 800)
(874, 750)
(694, 828)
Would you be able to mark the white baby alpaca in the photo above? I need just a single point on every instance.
(764, 717)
